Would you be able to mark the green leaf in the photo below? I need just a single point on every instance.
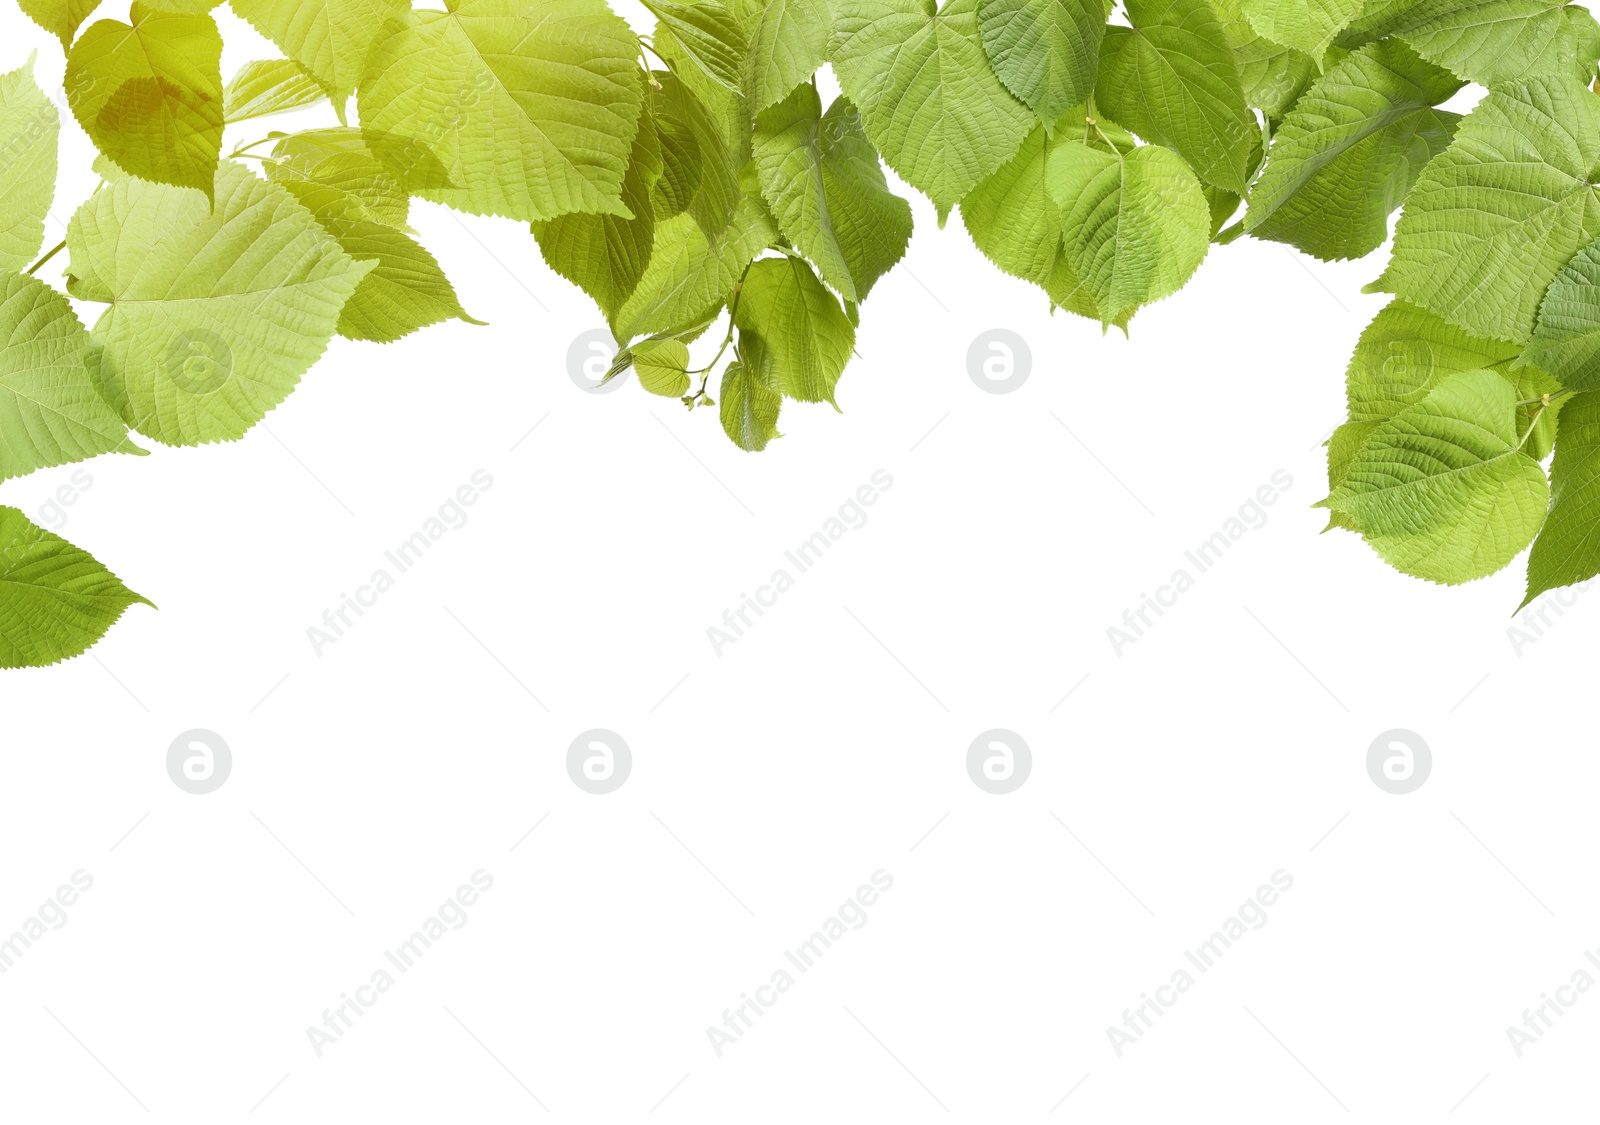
(929, 99)
(691, 271)
(499, 109)
(788, 42)
(1347, 154)
(150, 95)
(60, 18)
(215, 311)
(662, 366)
(1566, 339)
(1498, 41)
(1442, 491)
(55, 599)
(29, 128)
(710, 34)
(1135, 227)
(749, 410)
(50, 412)
(330, 38)
(1045, 51)
(269, 86)
(1171, 79)
(1495, 216)
(821, 177)
(1568, 548)
(332, 171)
(606, 255)
(1306, 25)
(700, 173)
(1273, 76)
(805, 337)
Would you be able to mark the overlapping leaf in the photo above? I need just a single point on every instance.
(1566, 339)
(1568, 547)
(787, 41)
(29, 127)
(1045, 51)
(330, 38)
(805, 337)
(1309, 26)
(269, 86)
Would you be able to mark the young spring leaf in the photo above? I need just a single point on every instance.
(1568, 547)
(269, 86)
(1309, 26)
(788, 42)
(1045, 51)
(29, 127)
(1443, 491)
(1566, 339)
(805, 337)
(1171, 79)
(1273, 76)
(1498, 41)
(700, 172)
(55, 599)
(330, 38)
(928, 97)
(50, 412)
(495, 109)
(333, 171)
(662, 367)
(1495, 216)
(1135, 227)
(215, 311)
(711, 36)
(150, 95)
(60, 18)
(1348, 152)
(821, 177)
(748, 409)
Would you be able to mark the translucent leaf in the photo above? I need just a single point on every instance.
(788, 42)
(710, 34)
(1347, 154)
(60, 18)
(749, 410)
(499, 109)
(1306, 25)
(1568, 547)
(215, 311)
(29, 128)
(150, 95)
(1045, 51)
(1171, 79)
(330, 38)
(1497, 41)
(55, 599)
(805, 337)
(1566, 339)
(928, 97)
(50, 412)
(1495, 216)
(332, 171)
(662, 367)
(821, 177)
(1273, 76)
(269, 86)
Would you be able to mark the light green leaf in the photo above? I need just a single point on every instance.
(821, 177)
(330, 38)
(55, 599)
(749, 410)
(606, 255)
(1135, 227)
(269, 86)
(929, 99)
(1273, 76)
(1442, 491)
(333, 172)
(150, 95)
(29, 128)
(1045, 51)
(788, 42)
(662, 366)
(1496, 215)
(700, 173)
(1306, 25)
(1171, 79)
(1568, 548)
(499, 109)
(215, 311)
(1566, 339)
(805, 337)
(710, 34)
(50, 413)
(1347, 154)
(1498, 41)
(60, 18)
(691, 271)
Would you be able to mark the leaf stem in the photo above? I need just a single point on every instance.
(53, 251)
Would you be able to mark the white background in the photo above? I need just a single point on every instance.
(830, 742)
